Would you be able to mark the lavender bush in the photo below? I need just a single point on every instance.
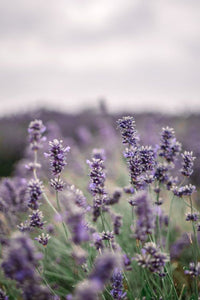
(113, 227)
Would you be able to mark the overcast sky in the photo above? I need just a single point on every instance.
(138, 54)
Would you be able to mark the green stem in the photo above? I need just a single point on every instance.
(46, 282)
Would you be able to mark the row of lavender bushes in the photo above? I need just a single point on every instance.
(132, 233)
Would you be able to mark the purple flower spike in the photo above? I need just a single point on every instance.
(35, 130)
(35, 189)
(57, 184)
(185, 190)
(57, 154)
(78, 227)
(104, 266)
(43, 239)
(117, 224)
(128, 131)
(36, 219)
(152, 258)
(20, 259)
(192, 217)
(169, 147)
(194, 270)
(97, 181)
(188, 162)
(117, 285)
(145, 217)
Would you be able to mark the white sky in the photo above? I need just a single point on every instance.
(138, 54)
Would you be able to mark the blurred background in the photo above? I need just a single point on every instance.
(80, 64)
(138, 54)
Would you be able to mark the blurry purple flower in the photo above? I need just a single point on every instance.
(147, 158)
(152, 258)
(169, 147)
(35, 189)
(192, 217)
(23, 227)
(103, 268)
(117, 285)
(117, 224)
(114, 198)
(79, 198)
(99, 154)
(161, 172)
(57, 184)
(188, 162)
(179, 245)
(43, 239)
(128, 131)
(107, 236)
(87, 289)
(57, 154)
(50, 228)
(20, 260)
(171, 182)
(132, 202)
(34, 291)
(97, 180)
(127, 262)
(186, 190)
(35, 130)
(194, 270)
(129, 190)
(36, 219)
(97, 241)
(78, 227)
(145, 217)
(32, 166)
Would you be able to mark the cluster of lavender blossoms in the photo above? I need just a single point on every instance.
(57, 156)
(140, 159)
(19, 262)
(145, 217)
(95, 261)
(97, 176)
(152, 259)
(117, 291)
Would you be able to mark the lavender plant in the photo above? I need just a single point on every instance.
(136, 241)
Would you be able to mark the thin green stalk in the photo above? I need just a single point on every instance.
(46, 282)
(182, 290)
(172, 283)
(195, 247)
(149, 284)
(102, 221)
(169, 225)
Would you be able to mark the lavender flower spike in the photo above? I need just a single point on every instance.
(152, 258)
(36, 129)
(169, 147)
(117, 285)
(188, 162)
(20, 260)
(128, 131)
(104, 266)
(35, 189)
(145, 217)
(97, 176)
(43, 239)
(57, 154)
(194, 270)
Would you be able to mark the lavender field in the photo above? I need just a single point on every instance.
(96, 205)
